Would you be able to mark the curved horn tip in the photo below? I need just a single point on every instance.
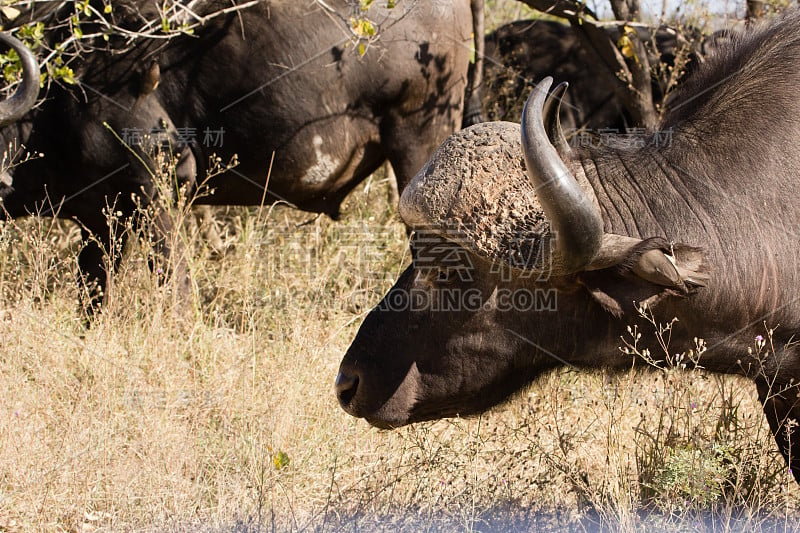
(552, 121)
(28, 91)
(545, 84)
(534, 104)
(543, 87)
(540, 97)
(559, 90)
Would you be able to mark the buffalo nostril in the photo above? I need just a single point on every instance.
(346, 386)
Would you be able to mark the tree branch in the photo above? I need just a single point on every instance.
(627, 66)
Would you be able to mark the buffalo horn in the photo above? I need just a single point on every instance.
(552, 123)
(576, 224)
(25, 96)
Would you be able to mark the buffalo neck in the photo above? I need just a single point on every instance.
(733, 202)
(641, 193)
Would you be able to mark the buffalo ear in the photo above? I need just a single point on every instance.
(648, 273)
(677, 266)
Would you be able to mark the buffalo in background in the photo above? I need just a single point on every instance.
(521, 53)
(307, 106)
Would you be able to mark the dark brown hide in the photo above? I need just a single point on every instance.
(700, 223)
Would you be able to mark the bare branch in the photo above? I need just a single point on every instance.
(68, 31)
(625, 9)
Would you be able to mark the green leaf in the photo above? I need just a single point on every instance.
(9, 57)
(280, 460)
(65, 74)
(76, 26)
(625, 43)
(363, 27)
(32, 34)
(10, 72)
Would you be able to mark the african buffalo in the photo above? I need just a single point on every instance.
(703, 228)
(521, 53)
(280, 78)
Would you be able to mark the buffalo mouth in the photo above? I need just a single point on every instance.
(393, 404)
(451, 408)
(423, 397)
(383, 420)
(385, 424)
(421, 413)
(408, 406)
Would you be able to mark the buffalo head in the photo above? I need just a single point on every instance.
(512, 274)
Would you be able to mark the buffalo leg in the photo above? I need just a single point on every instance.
(169, 254)
(406, 165)
(93, 263)
(103, 249)
(782, 409)
(204, 218)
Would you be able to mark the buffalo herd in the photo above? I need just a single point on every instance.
(528, 252)
(307, 108)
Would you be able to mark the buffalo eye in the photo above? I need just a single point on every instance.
(446, 275)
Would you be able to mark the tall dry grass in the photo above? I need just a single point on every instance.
(215, 411)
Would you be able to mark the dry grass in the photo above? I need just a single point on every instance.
(218, 412)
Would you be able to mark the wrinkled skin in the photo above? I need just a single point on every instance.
(713, 200)
(278, 78)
